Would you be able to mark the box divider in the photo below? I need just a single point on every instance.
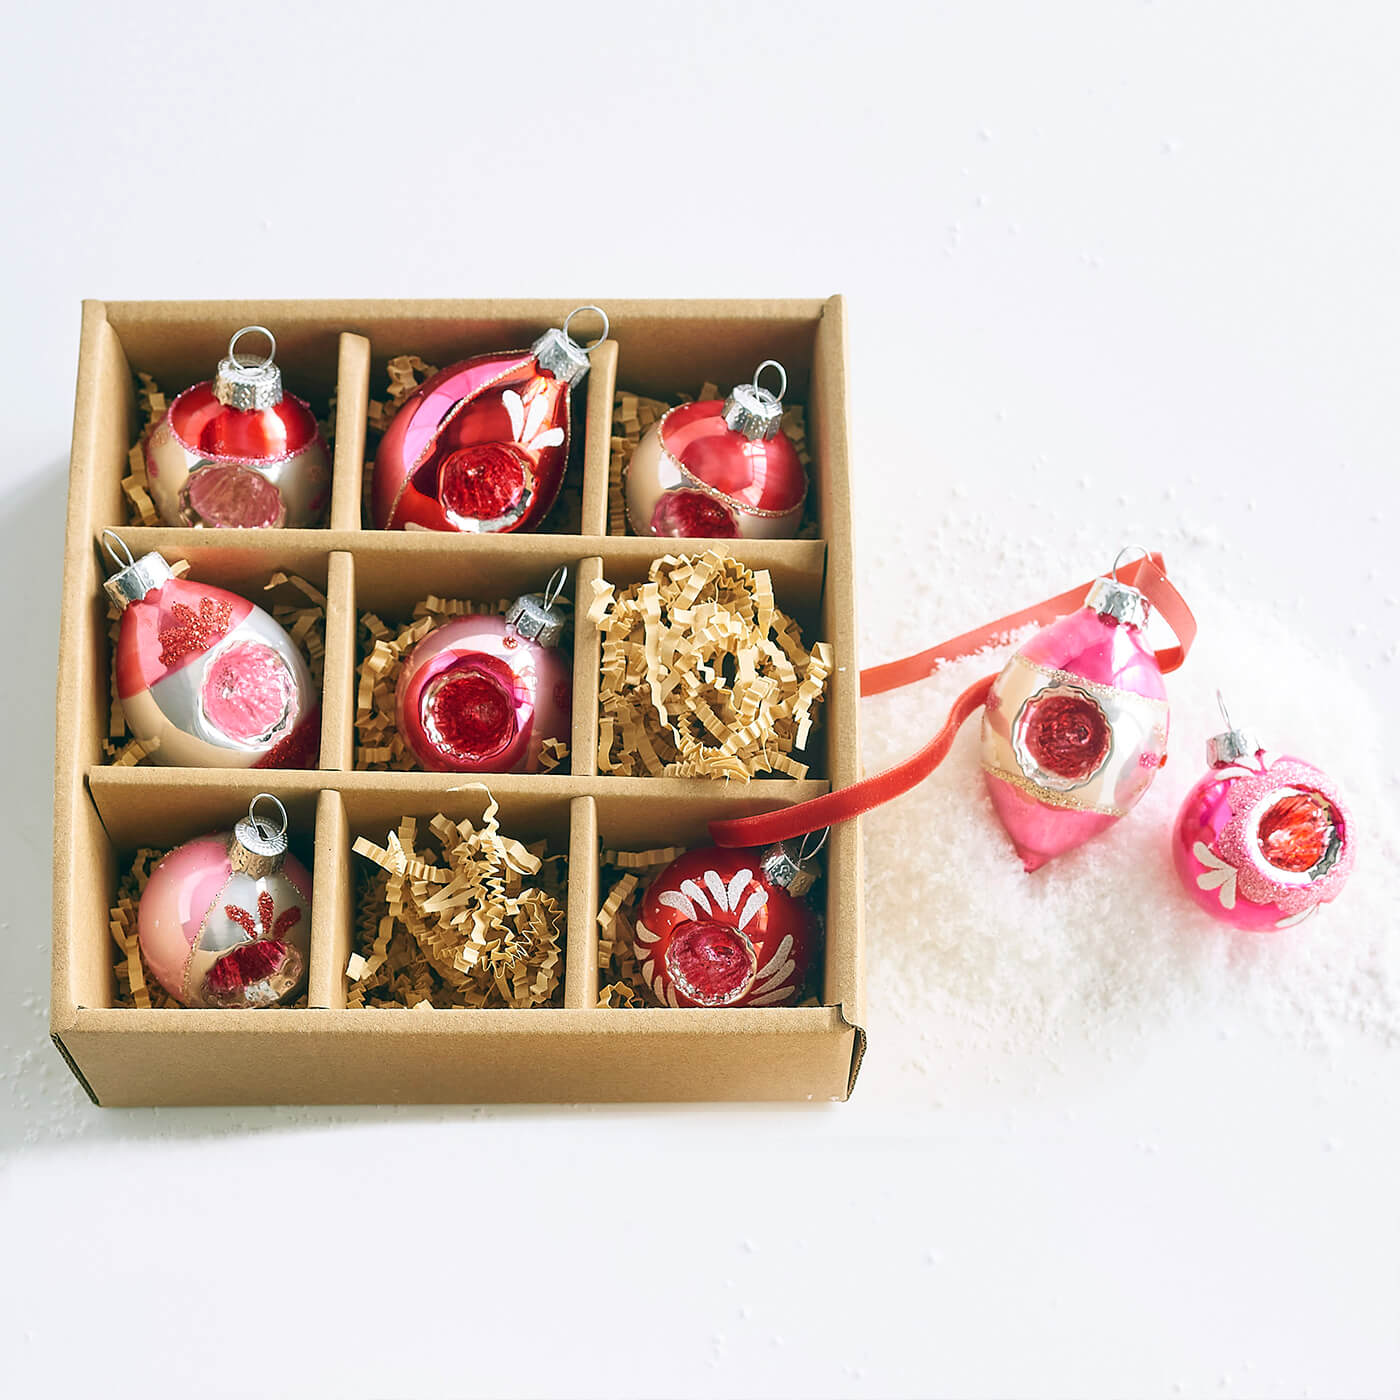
(581, 953)
(597, 441)
(351, 419)
(338, 688)
(587, 656)
(332, 903)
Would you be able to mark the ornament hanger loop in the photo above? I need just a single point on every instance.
(1118, 558)
(782, 374)
(1224, 713)
(555, 586)
(603, 334)
(812, 843)
(124, 560)
(263, 824)
(268, 359)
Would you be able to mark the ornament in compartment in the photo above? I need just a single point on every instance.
(1261, 840)
(720, 468)
(730, 927)
(205, 678)
(225, 920)
(483, 694)
(237, 451)
(482, 446)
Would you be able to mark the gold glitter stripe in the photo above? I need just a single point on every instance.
(1051, 798)
(1108, 692)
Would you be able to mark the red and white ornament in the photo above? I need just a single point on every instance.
(206, 679)
(729, 928)
(1075, 726)
(482, 694)
(1261, 841)
(719, 468)
(482, 446)
(236, 451)
(225, 920)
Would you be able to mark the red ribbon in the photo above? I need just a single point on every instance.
(1147, 575)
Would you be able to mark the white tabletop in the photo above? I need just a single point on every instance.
(1118, 273)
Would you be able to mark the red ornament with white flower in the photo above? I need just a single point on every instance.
(225, 920)
(719, 468)
(1261, 841)
(238, 452)
(207, 679)
(482, 446)
(729, 928)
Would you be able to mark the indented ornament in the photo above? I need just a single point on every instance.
(225, 920)
(482, 446)
(719, 468)
(1261, 841)
(238, 452)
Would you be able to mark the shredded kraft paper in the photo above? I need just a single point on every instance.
(449, 920)
(378, 743)
(634, 414)
(298, 605)
(136, 485)
(703, 675)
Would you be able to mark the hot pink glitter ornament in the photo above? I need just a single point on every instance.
(482, 446)
(730, 927)
(481, 694)
(1261, 841)
(205, 678)
(1075, 726)
(719, 468)
(236, 451)
(225, 920)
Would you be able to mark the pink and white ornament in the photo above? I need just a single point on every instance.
(238, 452)
(719, 468)
(225, 920)
(482, 694)
(206, 679)
(1261, 841)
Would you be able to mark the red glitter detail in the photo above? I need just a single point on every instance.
(300, 749)
(693, 513)
(1296, 831)
(710, 963)
(483, 482)
(266, 909)
(190, 632)
(242, 918)
(288, 919)
(1068, 735)
(245, 965)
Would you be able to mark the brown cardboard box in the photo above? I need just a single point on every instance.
(326, 1053)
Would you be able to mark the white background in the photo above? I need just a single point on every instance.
(1110, 266)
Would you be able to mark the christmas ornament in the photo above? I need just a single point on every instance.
(1074, 730)
(225, 920)
(237, 451)
(205, 678)
(721, 468)
(481, 447)
(1261, 841)
(481, 694)
(730, 927)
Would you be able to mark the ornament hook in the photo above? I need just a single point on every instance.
(1224, 713)
(817, 839)
(117, 559)
(590, 307)
(268, 359)
(1118, 558)
(555, 586)
(263, 824)
(782, 373)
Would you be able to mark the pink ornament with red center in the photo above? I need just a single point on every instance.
(1075, 726)
(1261, 841)
(225, 920)
(482, 446)
(205, 678)
(236, 451)
(729, 928)
(482, 694)
(719, 468)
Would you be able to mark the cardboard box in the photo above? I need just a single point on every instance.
(327, 1053)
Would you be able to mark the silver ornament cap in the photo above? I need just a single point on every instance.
(1111, 598)
(756, 412)
(249, 384)
(134, 578)
(258, 845)
(1231, 746)
(561, 355)
(537, 617)
(791, 866)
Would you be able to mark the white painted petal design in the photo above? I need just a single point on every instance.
(644, 934)
(1218, 874)
(752, 905)
(780, 955)
(516, 412)
(702, 900)
(1294, 919)
(675, 899)
(715, 882)
(551, 437)
(736, 887)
